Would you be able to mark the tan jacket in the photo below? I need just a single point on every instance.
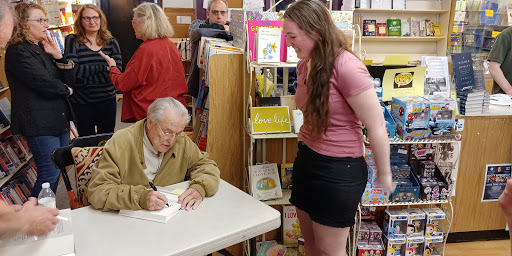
(118, 179)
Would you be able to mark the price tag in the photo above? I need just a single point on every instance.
(489, 13)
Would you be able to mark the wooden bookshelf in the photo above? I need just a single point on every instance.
(402, 38)
(8, 177)
(395, 11)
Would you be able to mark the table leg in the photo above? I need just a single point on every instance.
(253, 246)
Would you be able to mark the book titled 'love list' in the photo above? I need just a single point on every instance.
(163, 215)
(265, 182)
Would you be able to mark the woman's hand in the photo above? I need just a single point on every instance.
(51, 47)
(110, 62)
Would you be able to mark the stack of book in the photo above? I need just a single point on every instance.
(473, 102)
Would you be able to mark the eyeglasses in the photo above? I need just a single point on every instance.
(167, 134)
(42, 21)
(93, 18)
(215, 12)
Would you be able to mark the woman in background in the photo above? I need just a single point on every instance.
(94, 97)
(336, 95)
(155, 69)
(38, 76)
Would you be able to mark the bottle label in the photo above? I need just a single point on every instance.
(47, 202)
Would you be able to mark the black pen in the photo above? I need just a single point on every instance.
(154, 188)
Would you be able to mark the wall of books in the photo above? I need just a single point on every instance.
(476, 24)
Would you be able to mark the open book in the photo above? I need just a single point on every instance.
(162, 215)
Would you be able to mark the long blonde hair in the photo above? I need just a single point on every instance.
(313, 17)
(20, 32)
(156, 24)
(104, 34)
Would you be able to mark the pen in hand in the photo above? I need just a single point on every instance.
(154, 188)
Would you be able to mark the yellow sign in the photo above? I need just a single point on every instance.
(489, 13)
(396, 60)
(270, 119)
(495, 33)
(403, 82)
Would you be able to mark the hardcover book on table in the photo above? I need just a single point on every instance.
(161, 216)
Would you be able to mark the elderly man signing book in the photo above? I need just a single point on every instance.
(153, 150)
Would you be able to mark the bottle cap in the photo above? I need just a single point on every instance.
(46, 185)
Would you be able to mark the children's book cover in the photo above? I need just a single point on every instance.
(291, 226)
(265, 182)
(286, 175)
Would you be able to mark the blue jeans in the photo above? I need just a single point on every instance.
(42, 148)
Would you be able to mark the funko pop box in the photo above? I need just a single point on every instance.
(395, 223)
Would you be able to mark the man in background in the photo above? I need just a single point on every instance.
(500, 62)
(215, 25)
(29, 219)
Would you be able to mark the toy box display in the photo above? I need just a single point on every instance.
(412, 134)
(364, 234)
(374, 195)
(395, 223)
(398, 154)
(407, 190)
(421, 152)
(370, 250)
(368, 212)
(375, 234)
(415, 246)
(410, 112)
(400, 171)
(431, 188)
(442, 114)
(415, 223)
(395, 246)
(434, 246)
(435, 222)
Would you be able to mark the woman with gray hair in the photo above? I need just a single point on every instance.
(155, 69)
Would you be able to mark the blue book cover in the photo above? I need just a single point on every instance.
(463, 70)
(489, 15)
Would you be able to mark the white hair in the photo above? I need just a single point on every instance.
(158, 107)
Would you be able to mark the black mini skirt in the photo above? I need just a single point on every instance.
(328, 188)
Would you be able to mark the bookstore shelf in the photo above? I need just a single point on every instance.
(5, 129)
(422, 202)
(274, 136)
(4, 89)
(8, 177)
(285, 199)
(448, 139)
(402, 38)
(395, 11)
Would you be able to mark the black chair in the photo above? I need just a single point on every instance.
(62, 158)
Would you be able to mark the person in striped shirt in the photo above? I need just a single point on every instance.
(94, 98)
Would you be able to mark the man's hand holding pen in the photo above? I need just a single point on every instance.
(156, 201)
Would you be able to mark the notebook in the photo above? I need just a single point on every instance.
(161, 216)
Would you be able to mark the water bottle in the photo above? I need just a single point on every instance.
(46, 197)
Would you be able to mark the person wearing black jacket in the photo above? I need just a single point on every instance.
(215, 26)
(38, 76)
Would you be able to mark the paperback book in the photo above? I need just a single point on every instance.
(265, 182)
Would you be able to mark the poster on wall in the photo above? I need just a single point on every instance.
(496, 176)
